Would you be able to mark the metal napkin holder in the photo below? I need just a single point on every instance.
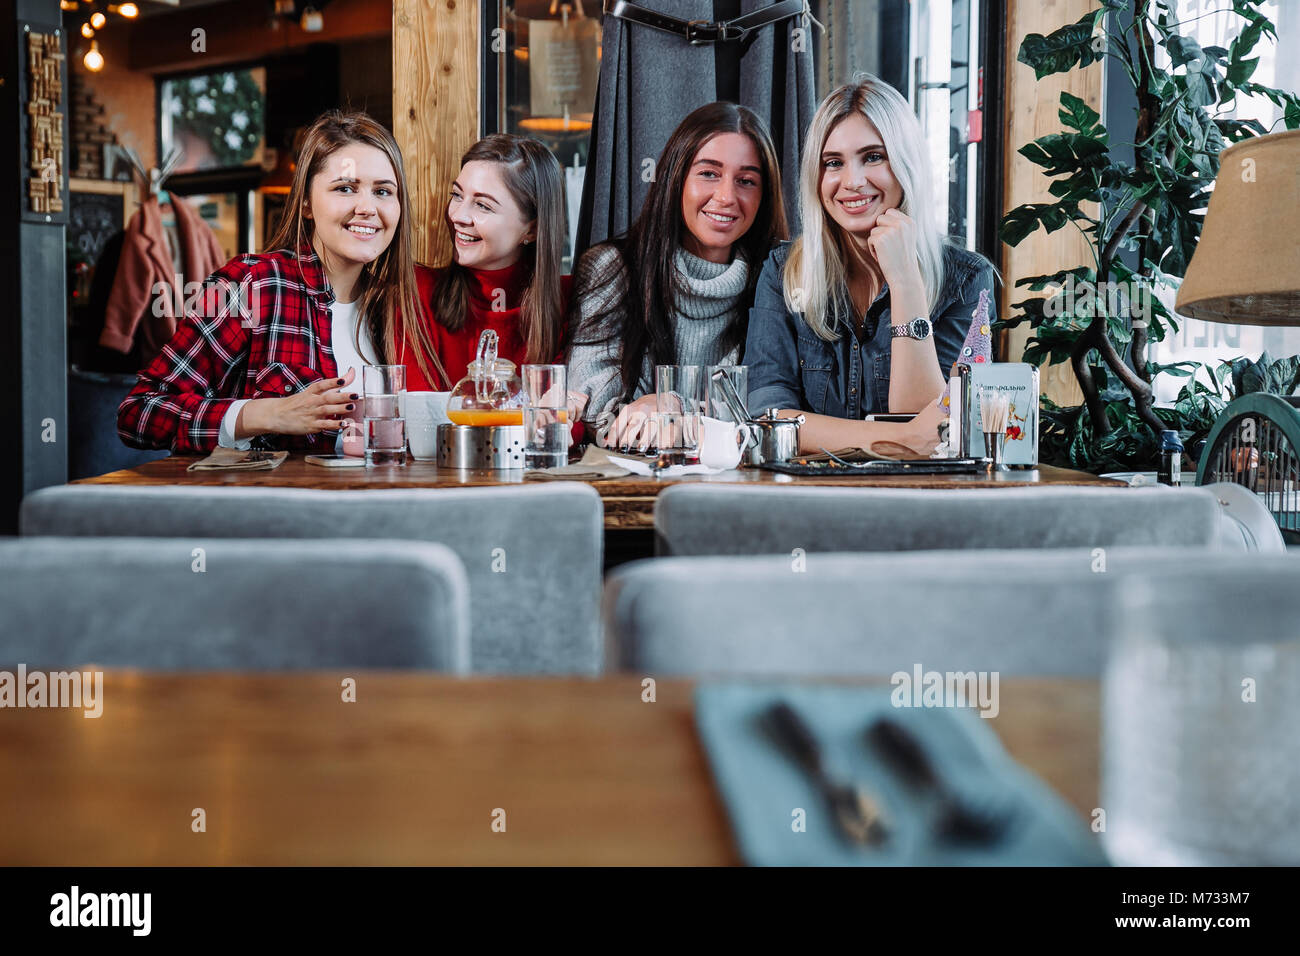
(965, 404)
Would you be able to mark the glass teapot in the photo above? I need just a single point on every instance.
(490, 393)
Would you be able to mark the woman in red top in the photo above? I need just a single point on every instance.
(506, 216)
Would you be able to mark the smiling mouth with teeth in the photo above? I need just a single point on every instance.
(361, 230)
(719, 217)
(857, 203)
(464, 237)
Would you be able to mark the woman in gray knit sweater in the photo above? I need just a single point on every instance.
(677, 288)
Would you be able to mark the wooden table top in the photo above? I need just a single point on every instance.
(629, 501)
(411, 773)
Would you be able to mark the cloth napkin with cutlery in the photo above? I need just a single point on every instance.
(838, 776)
(233, 459)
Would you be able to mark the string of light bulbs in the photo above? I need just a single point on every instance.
(94, 60)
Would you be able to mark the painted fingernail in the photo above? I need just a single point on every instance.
(354, 396)
(350, 407)
(340, 381)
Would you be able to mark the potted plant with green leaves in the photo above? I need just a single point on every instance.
(1140, 206)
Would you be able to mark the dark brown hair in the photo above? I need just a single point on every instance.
(533, 176)
(386, 292)
(647, 253)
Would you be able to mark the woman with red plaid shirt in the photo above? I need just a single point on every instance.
(272, 350)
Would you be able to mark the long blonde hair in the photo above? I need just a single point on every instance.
(816, 272)
(386, 299)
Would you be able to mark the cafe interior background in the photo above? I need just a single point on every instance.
(255, 72)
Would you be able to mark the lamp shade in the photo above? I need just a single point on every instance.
(1246, 269)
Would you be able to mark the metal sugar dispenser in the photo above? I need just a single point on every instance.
(487, 414)
(775, 439)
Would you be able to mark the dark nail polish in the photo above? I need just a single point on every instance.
(350, 407)
(354, 396)
(340, 381)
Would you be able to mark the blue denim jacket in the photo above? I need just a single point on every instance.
(791, 367)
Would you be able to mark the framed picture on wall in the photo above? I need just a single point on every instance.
(218, 118)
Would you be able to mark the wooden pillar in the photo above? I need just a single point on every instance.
(1031, 108)
(435, 108)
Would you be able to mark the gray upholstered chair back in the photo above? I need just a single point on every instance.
(1016, 612)
(699, 519)
(532, 553)
(204, 604)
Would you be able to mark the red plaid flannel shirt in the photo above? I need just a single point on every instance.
(260, 328)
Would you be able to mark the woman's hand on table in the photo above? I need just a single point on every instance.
(576, 403)
(921, 434)
(315, 408)
(634, 425)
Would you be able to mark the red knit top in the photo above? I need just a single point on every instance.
(493, 303)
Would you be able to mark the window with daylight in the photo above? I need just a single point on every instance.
(936, 53)
(1210, 23)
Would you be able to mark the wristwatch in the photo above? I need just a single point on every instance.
(919, 329)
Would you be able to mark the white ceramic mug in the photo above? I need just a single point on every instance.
(722, 443)
(424, 412)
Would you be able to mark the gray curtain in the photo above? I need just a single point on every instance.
(650, 80)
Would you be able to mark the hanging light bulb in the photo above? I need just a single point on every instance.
(129, 10)
(97, 19)
(67, 4)
(87, 30)
(94, 60)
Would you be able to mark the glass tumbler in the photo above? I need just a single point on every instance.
(546, 418)
(680, 400)
(715, 406)
(384, 424)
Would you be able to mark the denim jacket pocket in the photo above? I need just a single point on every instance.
(816, 366)
(880, 380)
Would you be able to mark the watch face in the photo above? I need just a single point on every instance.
(920, 328)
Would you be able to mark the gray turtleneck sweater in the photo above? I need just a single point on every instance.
(707, 301)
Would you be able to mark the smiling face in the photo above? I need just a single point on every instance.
(489, 230)
(354, 206)
(857, 184)
(721, 195)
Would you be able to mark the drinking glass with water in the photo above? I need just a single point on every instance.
(546, 417)
(680, 399)
(385, 427)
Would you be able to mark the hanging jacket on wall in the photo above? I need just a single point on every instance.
(134, 310)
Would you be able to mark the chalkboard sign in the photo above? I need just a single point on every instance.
(93, 220)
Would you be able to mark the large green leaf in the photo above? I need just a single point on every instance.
(1023, 220)
(1063, 49)
(1060, 153)
(1077, 115)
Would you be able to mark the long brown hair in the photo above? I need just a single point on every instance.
(533, 176)
(386, 299)
(648, 252)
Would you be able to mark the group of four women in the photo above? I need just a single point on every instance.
(863, 313)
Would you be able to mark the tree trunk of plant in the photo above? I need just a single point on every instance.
(1084, 344)
(1138, 352)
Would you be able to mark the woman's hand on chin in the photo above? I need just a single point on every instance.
(893, 243)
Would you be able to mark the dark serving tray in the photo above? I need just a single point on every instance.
(919, 466)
